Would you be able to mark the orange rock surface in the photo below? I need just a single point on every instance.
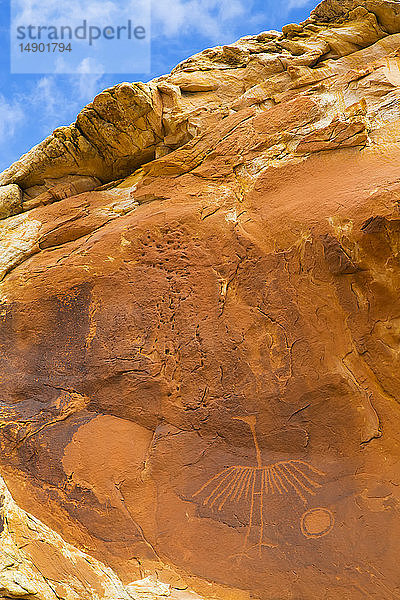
(200, 361)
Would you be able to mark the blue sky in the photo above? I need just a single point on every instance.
(31, 106)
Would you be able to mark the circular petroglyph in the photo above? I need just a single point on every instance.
(317, 522)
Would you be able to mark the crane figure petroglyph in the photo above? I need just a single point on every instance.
(253, 484)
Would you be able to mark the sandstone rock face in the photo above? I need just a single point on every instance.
(10, 200)
(200, 361)
(35, 562)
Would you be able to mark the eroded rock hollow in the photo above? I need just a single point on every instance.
(200, 325)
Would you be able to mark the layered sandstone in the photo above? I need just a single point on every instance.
(200, 320)
(35, 562)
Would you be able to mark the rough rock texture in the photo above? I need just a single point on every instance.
(130, 124)
(35, 562)
(10, 200)
(200, 362)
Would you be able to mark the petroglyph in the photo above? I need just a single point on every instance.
(317, 522)
(254, 484)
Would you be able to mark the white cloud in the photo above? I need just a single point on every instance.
(46, 100)
(46, 94)
(73, 12)
(11, 115)
(214, 19)
(292, 4)
(217, 20)
(87, 82)
(52, 104)
(104, 30)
